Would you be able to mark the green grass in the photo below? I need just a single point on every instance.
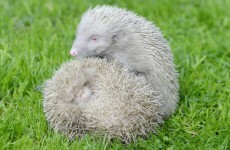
(35, 38)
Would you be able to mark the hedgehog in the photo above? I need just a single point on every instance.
(118, 34)
(101, 98)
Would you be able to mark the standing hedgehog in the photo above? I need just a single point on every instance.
(117, 34)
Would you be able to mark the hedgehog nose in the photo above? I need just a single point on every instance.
(73, 52)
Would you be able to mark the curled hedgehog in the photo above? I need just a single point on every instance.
(101, 98)
(124, 86)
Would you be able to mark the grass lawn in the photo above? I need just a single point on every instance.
(35, 38)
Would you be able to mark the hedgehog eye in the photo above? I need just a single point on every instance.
(94, 38)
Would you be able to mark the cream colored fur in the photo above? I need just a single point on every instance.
(101, 98)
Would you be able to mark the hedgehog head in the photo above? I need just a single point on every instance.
(99, 30)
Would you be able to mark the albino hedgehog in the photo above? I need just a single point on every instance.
(117, 34)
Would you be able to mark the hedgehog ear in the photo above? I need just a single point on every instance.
(118, 35)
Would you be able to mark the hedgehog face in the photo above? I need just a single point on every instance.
(94, 40)
(90, 41)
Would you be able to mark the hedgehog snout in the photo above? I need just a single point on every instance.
(73, 52)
